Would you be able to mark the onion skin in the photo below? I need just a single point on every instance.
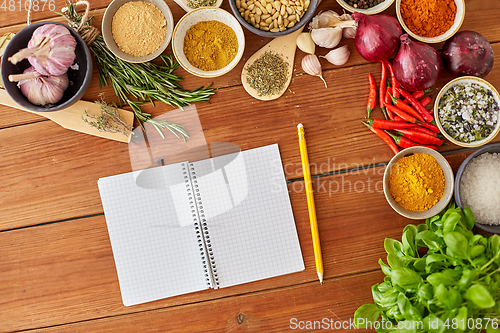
(467, 53)
(417, 66)
(377, 36)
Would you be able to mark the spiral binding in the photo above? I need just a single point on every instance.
(201, 227)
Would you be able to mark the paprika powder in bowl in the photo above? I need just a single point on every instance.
(418, 182)
(208, 42)
(430, 21)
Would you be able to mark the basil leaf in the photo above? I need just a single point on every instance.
(476, 250)
(393, 246)
(470, 220)
(385, 269)
(494, 245)
(394, 261)
(419, 265)
(451, 222)
(406, 278)
(443, 278)
(425, 292)
(433, 324)
(430, 239)
(408, 240)
(480, 296)
(462, 319)
(468, 275)
(366, 314)
(457, 245)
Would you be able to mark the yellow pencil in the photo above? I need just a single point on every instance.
(310, 202)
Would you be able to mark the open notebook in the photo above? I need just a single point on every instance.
(187, 227)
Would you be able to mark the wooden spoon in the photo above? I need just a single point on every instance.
(71, 117)
(285, 46)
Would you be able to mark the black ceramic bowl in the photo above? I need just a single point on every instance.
(79, 80)
(490, 148)
(306, 18)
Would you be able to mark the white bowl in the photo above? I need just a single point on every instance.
(454, 82)
(373, 10)
(448, 184)
(459, 18)
(200, 15)
(107, 33)
(184, 5)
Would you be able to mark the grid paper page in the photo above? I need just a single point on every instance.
(256, 237)
(156, 254)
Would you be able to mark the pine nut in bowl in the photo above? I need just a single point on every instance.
(365, 6)
(418, 182)
(437, 25)
(467, 111)
(140, 37)
(208, 42)
(273, 18)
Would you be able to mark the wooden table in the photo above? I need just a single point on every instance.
(56, 266)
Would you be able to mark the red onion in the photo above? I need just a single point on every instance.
(417, 66)
(467, 53)
(377, 36)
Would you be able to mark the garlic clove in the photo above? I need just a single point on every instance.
(305, 43)
(327, 37)
(348, 32)
(325, 20)
(338, 56)
(312, 66)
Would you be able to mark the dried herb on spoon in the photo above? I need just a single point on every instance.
(145, 82)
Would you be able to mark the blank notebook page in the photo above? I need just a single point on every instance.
(249, 216)
(152, 234)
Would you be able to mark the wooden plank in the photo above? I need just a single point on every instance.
(64, 272)
(475, 18)
(303, 307)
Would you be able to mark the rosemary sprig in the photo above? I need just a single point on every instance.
(135, 84)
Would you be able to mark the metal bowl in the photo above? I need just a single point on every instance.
(448, 187)
(79, 78)
(491, 148)
(107, 33)
(306, 18)
(459, 19)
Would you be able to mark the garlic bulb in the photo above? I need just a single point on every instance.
(312, 66)
(338, 56)
(325, 20)
(39, 89)
(348, 32)
(305, 43)
(326, 37)
(51, 50)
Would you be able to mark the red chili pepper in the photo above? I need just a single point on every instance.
(423, 130)
(420, 137)
(372, 97)
(416, 104)
(405, 143)
(425, 101)
(406, 108)
(382, 90)
(387, 99)
(384, 136)
(420, 94)
(388, 124)
(395, 84)
(432, 127)
(398, 118)
(401, 113)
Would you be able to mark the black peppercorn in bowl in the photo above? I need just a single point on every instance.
(79, 74)
(273, 19)
(367, 7)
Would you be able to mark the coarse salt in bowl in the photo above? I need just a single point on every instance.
(457, 23)
(462, 119)
(483, 185)
(199, 15)
(448, 184)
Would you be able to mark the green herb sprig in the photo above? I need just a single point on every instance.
(144, 82)
(441, 277)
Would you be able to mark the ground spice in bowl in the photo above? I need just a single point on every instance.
(428, 18)
(210, 45)
(417, 182)
(139, 28)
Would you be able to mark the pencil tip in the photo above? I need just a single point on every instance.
(300, 125)
(320, 276)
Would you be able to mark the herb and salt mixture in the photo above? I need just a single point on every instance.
(468, 112)
(268, 74)
(201, 3)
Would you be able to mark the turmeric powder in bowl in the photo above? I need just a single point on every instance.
(417, 182)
